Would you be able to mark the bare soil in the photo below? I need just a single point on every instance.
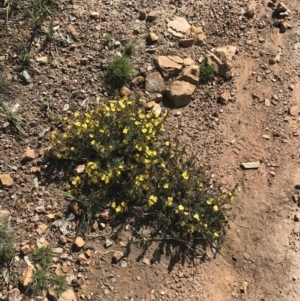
(259, 259)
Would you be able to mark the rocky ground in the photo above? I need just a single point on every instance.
(244, 124)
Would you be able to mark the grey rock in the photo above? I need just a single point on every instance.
(26, 77)
(155, 83)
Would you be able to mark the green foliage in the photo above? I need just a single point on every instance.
(59, 283)
(7, 248)
(40, 281)
(43, 256)
(119, 70)
(131, 169)
(129, 49)
(206, 73)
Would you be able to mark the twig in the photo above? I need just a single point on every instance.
(240, 225)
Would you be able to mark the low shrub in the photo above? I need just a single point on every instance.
(207, 73)
(119, 70)
(131, 169)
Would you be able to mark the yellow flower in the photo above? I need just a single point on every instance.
(113, 205)
(125, 130)
(93, 142)
(76, 114)
(192, 229)
(121, 104)
(205, 226)
(216, 234)
(209, 201)
(84, 126)
(72, 148)
(186, 213)
(163, 165)
(196, 216)
(101, 131)
(167, 143)
(121, 166)
(144, 130)
(166, 186)
(180, 207)
(200, 185)
(169, 201)
(216, 208)
(123, 204)
(152, 200)
(182, 223)
(118, 209)
(58, 156)
(185, 175)
(77, 123)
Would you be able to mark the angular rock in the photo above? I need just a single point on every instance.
(6, 180)
(68, 295)
(118, 255)
(72, 31)
(283, 27)
(155, 83)
(152, 16)
(78, 170)
(222, 60)
(124, 91)
(168, 66)
(157, 97)
(4, 216)
(14, 295)
(25, 76)
(42, 60)
(79, 242)
(137, 81)
(156, 109)
(199, 36)
(27, 276)
(250, 165)
(152, 37)
(29, 154)
(186, 42)
(225, 97)
(179, 27)
(94, 15)
(294, 110)
(281, 8)
(149, 105)
(179, 93)
(190, 74)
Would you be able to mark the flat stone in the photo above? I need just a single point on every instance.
(179, 27)
(68, 295)
(6, 180)
(267, 102)
(250, 165)
(168, 66)
(154, 83)
(188, 61)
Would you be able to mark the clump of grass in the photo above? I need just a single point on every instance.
(129, 49)
(43, 256)
(207, 73)
(59, 284)
(40, 281)
(134, 171)
(7, 248)
(119, 70)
